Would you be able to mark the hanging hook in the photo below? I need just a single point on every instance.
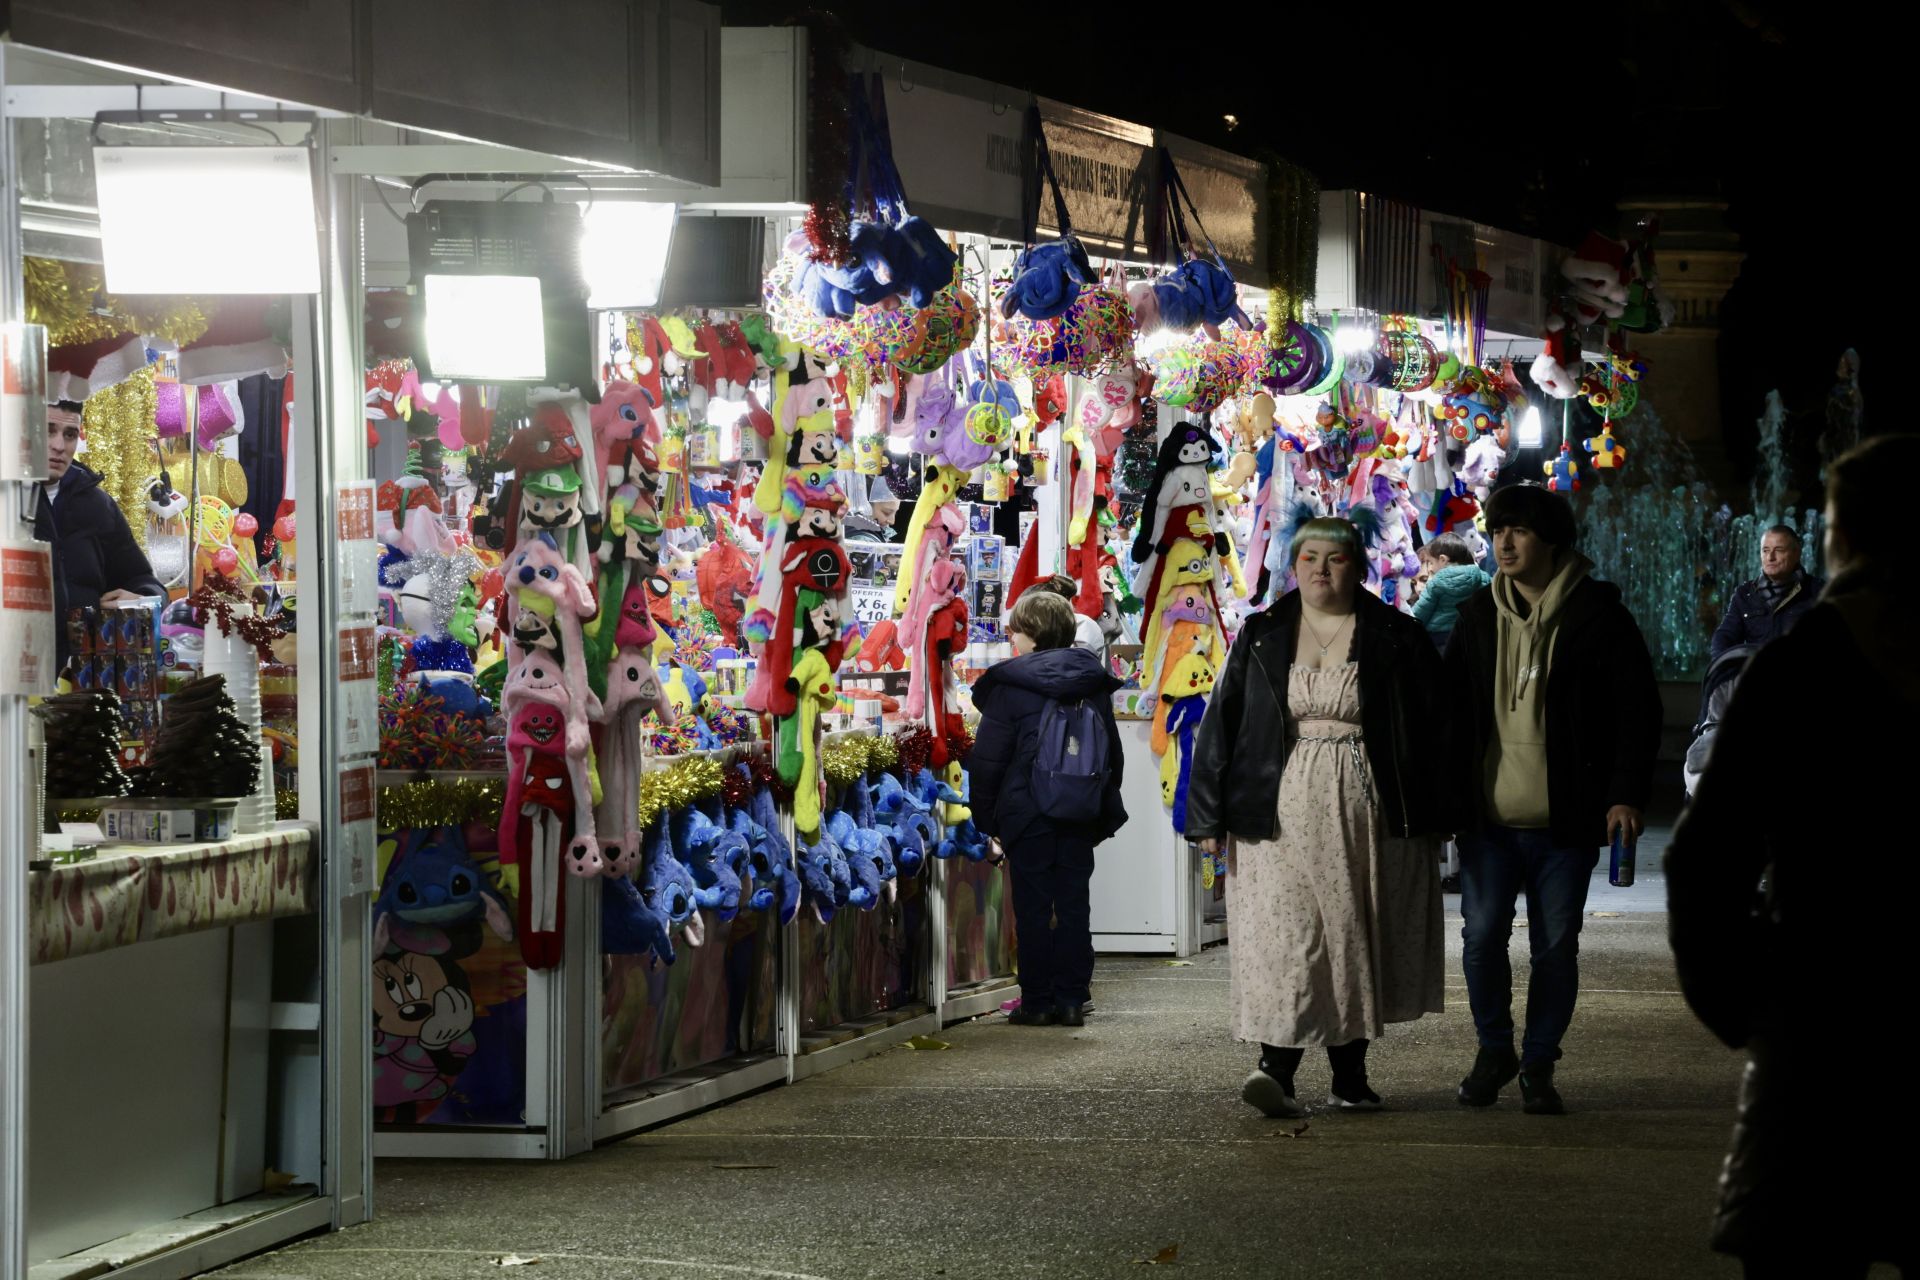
(905, 87)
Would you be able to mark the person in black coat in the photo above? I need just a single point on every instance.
(1768, 606)
(1051, 860)
(1316, 755)
(1789, 920)
(1556, 726)
(95, 558)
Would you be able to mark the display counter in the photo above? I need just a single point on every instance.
(128, 894)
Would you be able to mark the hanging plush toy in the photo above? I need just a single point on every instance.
(533, 818)
(1187, 583)
(942, 485)
(1176, 767)
(726, 581)
(1179, 480)
(798, 736)
(633, 689)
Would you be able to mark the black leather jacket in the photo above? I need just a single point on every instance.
(1243, 742)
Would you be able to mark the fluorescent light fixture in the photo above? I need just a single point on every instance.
(1530, 434)
(485, 328)
(207, 220)
(623, 252)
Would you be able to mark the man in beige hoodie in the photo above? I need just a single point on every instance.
(1557, 722)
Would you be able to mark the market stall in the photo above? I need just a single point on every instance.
(191, 615)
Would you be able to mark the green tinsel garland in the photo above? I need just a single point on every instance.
(1293, 236)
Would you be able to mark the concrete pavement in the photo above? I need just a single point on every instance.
(1086, 1152)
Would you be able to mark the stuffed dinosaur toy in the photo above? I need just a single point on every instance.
(433, 891)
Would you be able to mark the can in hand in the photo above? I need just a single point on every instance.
(1620, 870)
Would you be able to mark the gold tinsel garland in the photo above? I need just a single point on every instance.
(1293, 236)
(70, 299)
(678, 785)
(441, 802)
(120, 433)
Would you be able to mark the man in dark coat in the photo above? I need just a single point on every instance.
(95, 559)
(1789, 920)
(1768, 606)
(1557, 718)
(1051, 860)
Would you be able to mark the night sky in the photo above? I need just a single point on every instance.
(1535, 118)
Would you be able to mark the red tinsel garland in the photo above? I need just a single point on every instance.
(215, 599)
(829, 124)
(916, 748)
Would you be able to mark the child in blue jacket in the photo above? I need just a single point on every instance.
(1051, 860)
(1454, 580)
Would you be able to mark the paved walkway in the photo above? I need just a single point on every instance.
(1057, 1153)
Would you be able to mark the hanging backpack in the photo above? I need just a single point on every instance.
(1070, 766)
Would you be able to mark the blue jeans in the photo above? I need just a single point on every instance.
(1495, 866)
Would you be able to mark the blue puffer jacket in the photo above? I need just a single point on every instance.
(1010, 698)
(1438, 607)
(1749, 621)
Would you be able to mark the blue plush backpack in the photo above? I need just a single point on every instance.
(1070, 767)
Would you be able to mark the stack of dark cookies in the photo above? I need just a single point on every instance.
(204, 748)
(83, 745)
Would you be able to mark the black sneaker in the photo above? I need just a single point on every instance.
(1353, 1096)
(1492, 1070)
(1539, 1097)
(1072, 1015)
(1033, 1016)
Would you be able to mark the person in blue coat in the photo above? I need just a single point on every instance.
(1455, 579)
(1051, 860)
(1767, 607)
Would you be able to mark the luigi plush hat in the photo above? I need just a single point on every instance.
(553, 481)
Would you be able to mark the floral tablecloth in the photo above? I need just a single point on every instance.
(138, 893)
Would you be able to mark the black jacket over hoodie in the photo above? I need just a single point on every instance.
(1603, 712)
(93, 549)
(1010, 698)
(1243, 742)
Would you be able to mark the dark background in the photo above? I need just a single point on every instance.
(1534, 118)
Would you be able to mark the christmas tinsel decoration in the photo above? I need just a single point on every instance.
(83, 744)
(1293, 237)
(70, 299)
(1139, 450)
(844, 761)
(829, 129)
(214, 600)
(286, 804)
(680, 784)
(441, 802)
(120, 431)
(914, 746)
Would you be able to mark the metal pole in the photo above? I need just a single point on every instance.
(16, 800)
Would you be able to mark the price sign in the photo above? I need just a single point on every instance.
(871, 605)
(26, 619)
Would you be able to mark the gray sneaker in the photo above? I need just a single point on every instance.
(1262, 1092)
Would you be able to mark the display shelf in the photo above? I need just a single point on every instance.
(670, 1097)
(836, 1046)
(198, 1242)
(129, 894)
(978, 998)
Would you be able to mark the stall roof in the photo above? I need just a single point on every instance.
(642, 94)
